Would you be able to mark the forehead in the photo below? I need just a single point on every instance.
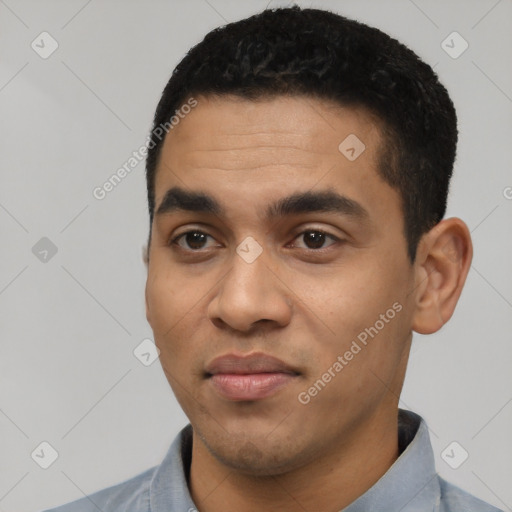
(271, 144)
(301, 122)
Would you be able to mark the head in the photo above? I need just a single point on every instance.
(322, 55)
(288, 124)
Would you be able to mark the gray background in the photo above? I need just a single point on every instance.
(69, 325)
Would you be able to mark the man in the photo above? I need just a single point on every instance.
(297, 175)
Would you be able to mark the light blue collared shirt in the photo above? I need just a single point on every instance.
(411, 484)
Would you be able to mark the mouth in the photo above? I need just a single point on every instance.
(248, 378)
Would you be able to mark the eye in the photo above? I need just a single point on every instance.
(314, 239)
(195, 240)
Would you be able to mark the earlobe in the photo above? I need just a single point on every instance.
(444, 260)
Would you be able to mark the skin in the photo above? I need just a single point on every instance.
(301, 304)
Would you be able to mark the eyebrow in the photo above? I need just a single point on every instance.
(179, 199)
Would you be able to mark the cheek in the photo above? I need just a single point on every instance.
(347, 299)
(171, 293)
(172, 312)
(364, 302)
(169, 305)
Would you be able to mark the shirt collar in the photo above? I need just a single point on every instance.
(410, 484)
(168, 491)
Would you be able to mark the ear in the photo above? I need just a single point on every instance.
(145, 259)
(443, 261)
(148, 315)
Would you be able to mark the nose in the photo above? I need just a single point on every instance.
(250, 293)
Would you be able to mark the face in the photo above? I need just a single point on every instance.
(277, 251)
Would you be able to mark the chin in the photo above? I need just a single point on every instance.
(258, 456)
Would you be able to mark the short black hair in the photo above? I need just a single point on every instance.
(320, 54)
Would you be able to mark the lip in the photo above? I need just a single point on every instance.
(246, 378)
(257, 362)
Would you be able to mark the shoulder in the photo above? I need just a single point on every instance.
(129, 496)
(455, 499)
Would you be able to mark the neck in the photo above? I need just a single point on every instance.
(330, 482)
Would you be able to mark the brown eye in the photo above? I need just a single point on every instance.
(194, 240)
(315, 239)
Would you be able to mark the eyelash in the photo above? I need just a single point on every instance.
(174, 241)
